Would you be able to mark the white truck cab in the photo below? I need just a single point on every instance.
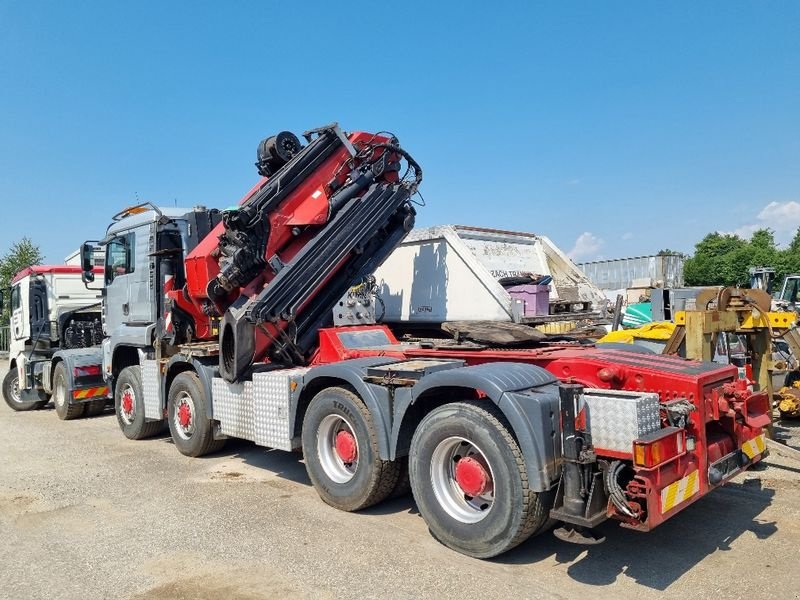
(51, 309)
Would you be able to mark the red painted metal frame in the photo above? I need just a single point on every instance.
(306, 205)
(717, 424)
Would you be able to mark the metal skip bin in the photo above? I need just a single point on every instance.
(457, 273)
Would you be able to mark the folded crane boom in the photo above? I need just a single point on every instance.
(326, 214)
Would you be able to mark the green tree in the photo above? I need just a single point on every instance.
(22, 254)
(719, 259)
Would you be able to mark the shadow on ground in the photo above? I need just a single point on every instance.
(660, 557)
(655, 559)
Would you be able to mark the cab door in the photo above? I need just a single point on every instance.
(119, 267)
(20, 329)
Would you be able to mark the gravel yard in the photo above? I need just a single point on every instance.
(86, 513)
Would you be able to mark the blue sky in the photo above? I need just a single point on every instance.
(614, 128)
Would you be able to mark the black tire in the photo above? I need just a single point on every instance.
(403, 485)
(360, 483)
(128, 394)
(187, 394)
(95, 407)
(12, 396)
(503, 516)
(62, 396)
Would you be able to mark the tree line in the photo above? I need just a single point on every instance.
(725, 259)
(21, 255)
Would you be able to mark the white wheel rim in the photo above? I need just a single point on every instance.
(184, 405)
(60, 393)
(127, 395)
(16, 396)
(457, 504)
(335, 468)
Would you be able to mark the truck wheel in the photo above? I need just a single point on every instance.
(65, 409)
(95, 407)
(12, 396)
(129, 406)
(340, 447)
(470, 483)
(189, 424)
(403, 485)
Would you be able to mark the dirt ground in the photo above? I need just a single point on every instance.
(86, 513)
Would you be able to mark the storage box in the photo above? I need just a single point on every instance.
(536, 298)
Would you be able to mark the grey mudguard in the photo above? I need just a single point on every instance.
(206, 369)
(77, 357)
(528, 397)
(375, 397)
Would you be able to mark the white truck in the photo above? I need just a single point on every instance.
(54, 317)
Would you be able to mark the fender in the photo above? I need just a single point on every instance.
(375, 397)
(527, 396)
(206, 368)
(78, 357)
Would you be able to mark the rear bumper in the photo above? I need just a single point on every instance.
(666, 501)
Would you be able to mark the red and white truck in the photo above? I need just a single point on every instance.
(220, 324)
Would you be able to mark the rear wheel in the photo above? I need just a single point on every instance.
(189, 424)
(12, 396)
(470, 481)
(340, 446)
(95, 407)
(62, 393)
(129, 406)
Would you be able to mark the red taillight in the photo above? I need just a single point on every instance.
(659, 447)
(87, 371)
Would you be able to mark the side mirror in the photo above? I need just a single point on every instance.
(87, 262)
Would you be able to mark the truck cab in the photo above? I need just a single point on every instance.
(51, 310)
(135, 276)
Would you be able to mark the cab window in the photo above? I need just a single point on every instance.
(15, 298)
(119, 257)
(790, 292)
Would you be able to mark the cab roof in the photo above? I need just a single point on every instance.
(50, 269)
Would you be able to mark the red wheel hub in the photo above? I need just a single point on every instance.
(346, 447)
(127, 403)
(472, 476)
(184, 415)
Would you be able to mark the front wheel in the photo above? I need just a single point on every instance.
(340, 447)
(189, 424)
(129, 405)
(13, 397)
(470, 482)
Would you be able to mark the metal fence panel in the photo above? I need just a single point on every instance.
(4, 338)
(620, 273)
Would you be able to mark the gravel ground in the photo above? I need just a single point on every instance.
(85, 513)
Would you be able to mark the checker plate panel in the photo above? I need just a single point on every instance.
(151, 389)
(261, 410)
(616, 418)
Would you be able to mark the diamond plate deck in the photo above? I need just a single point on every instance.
(616, 418)
(260, 411)
(152, 390)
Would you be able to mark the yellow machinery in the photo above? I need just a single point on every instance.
(695, 333)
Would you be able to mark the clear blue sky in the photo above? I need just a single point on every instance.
(632, 126)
